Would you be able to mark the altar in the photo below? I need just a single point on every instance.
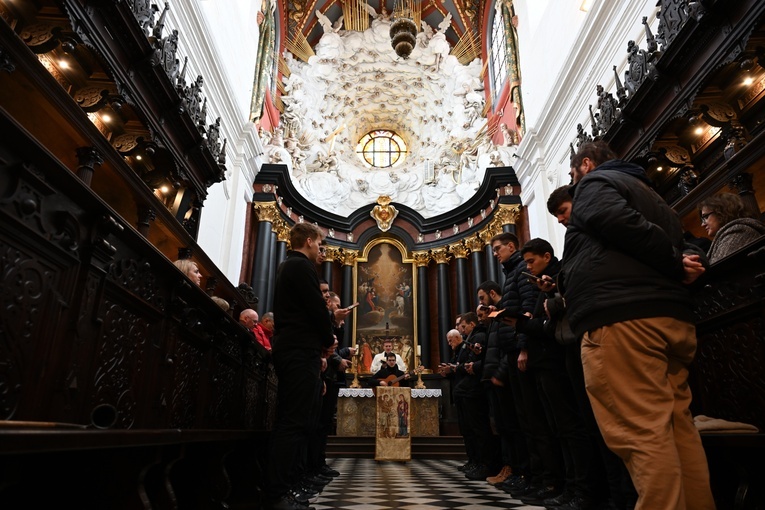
(357, 412)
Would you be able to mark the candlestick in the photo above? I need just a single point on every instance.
(419, 351)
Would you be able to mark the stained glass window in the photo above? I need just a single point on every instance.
(382, 149)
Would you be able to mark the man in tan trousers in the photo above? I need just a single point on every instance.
(626, 271)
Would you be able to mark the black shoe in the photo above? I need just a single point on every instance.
(531, 489)
(287, 502)
(479, 472)
(319, 479)
(515, 484)
(327, 471)
(537, 497)
(467, 466)
(303, 497)
(306, 486)
(558, 500)
(577, 503)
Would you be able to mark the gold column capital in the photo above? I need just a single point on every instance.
(348, 257)
(282, 231)
(441, 256)
(421, 258)
(475, 243)
(267, 211)
(507, 214)
(332, 253)
(459, 250)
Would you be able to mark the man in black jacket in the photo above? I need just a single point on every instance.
(303, 329)
(519, 297)
(625, 276)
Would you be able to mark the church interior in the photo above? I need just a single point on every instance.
(138, 133)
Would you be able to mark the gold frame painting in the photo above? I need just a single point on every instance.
(385, 286)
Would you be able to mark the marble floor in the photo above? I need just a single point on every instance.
(420, 484)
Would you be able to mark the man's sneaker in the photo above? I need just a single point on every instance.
(501, 476)
(478, 472)
(327, 471)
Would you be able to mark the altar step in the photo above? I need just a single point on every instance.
(441, 447)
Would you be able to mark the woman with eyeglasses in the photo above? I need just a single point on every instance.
(728, 223)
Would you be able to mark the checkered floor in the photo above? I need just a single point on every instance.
(421, 484)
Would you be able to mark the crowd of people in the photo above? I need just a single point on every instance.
(569, 379)
(581, 364)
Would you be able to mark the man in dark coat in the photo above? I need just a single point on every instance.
(303, 329)
(625, 274)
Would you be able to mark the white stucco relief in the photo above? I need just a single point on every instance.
(355, 84)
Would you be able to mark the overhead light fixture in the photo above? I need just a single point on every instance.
(659, 168)
(63, 64)
(106, 117)
(698, 130)
(748, 80)
(164, 189)
(138, 158)
(586, 5)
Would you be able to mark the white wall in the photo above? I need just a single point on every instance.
(220, 39)
(563, 59)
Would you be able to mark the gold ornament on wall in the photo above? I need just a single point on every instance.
(384, 213)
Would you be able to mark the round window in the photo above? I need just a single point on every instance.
(381, 149)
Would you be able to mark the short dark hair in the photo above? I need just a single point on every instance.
(388, 341)
(322, 281)
(537, 246)
(469, 317)
(391, 355)
(490, 285)
(505, 238)
(599, 152)
(301, 232)
(559, 197)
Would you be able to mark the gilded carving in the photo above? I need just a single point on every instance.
(348, 257)
(474, 244)
(459, 250)
(441, 256)
(266, 211)
(421, 258)
(384, 213)
(282, 231)
(332, 253)
(507, 214)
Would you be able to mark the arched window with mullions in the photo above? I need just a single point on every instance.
(382, 149)
(498, 54)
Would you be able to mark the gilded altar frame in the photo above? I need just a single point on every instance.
(398, 320)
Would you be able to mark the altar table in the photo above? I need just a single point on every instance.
(357, 412)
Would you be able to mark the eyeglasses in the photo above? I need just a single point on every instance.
(705, 216)
(497, 248)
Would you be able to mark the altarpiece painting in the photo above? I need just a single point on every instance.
(385, 289)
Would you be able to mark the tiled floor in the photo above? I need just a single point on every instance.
(364, 484)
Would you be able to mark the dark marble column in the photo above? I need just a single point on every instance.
(348, 259)
(263, 265)
(421, 260)
(507, 214)
(269, 306)
(87, 159)
(327, 273)
(491, 264)
(445, 319)
(282, 236)
(460, 253)
(475, 245)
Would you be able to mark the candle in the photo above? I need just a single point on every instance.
(419, 350)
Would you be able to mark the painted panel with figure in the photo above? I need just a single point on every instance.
(385, 291)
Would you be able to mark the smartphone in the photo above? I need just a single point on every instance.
(530, 276)
(354, 305)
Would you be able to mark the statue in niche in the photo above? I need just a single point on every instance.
(688, 180)
(473, 102)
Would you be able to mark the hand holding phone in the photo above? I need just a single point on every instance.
(354, 305)
(530, 276)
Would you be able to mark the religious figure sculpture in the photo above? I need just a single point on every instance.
(438, 43)
(384, 213)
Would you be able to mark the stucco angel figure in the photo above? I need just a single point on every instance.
(327, 25)
(424, 37)
(438, 43)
